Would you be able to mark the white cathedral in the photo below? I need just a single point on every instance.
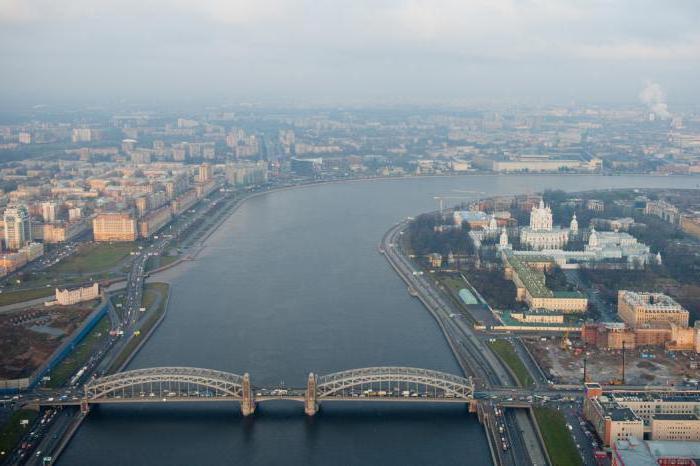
(541, 234)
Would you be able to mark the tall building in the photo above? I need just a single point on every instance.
(74, 214)
(18, 228)
(81, 135)
(114, 226)
(25, 138)
(241, 174)
(205, 173)
(48, 211)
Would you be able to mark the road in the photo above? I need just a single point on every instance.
(606, 310)
(585, 440)
(471, 352)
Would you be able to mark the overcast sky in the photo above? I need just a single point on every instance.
(537, 50)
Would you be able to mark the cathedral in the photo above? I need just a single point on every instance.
(541, 234)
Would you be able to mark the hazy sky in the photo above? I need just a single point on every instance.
(541, 50)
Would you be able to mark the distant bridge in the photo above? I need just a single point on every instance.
(190, 384)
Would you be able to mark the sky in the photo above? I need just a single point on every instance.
(549, 51)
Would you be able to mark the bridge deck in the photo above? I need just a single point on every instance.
(261, 399)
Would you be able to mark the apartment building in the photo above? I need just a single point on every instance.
(114, 226)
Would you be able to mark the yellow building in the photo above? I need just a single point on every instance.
(642, 309)
(114, 226)
(154, 221)
(691, 225)
(435, 260)
(659, 416)
(12, 261)
(531, 287)
(60, 232)
(677, 427)
(611, 421)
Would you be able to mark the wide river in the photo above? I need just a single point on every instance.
(292, 283)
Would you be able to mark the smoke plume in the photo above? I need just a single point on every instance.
(654, 97)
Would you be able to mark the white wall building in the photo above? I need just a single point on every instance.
(70, 296)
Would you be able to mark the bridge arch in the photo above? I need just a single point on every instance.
(222, 383)
(448, 384)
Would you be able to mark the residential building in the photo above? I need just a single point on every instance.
(74, 214)
(48, 211)
(150, 223)
(242, 174)
(25, 138)
(658, 416)
(204, 173)
(677, 427)
(611, 421)
(18, 229)
(114, 226)
(640, 309)
(68, 296)
(81, 135)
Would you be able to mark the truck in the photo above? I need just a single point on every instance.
(78, 375)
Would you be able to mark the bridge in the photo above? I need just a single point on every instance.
(191, 384)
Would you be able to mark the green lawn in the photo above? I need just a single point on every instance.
(95, 257)
(453, 283)
(12, 432)
(150, 295)
(560, 445)
(62, 373)
(159, 261)
(12, 297)
(506, 352)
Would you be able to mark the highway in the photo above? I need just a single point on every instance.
(471, 352)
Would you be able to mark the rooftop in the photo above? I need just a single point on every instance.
(534, 280)
(657, 302)
(620, 414)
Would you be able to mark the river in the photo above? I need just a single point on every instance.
(292, 283)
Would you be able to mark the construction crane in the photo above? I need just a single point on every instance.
(441, 199)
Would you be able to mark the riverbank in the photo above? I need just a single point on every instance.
(335, 302)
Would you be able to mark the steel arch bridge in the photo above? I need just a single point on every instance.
(166, 380)
(443, 385)
(191, 384)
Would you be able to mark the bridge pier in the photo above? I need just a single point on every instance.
(84, 406)
(248, 400)
(310, 401)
